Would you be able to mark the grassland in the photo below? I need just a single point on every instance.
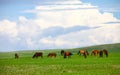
(76, 65)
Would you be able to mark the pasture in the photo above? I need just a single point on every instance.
(76, 65)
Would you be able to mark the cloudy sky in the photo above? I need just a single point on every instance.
(57, 24)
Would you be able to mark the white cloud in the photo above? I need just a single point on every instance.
(61, 43)
(46, 41)
(29, 33)
(9, 28)
(22, 19)
(102, 35)
(67, 17)
(64, 7)
(68, 2)
(90, 17)
(20, 34)
(30, 43)
(57, 42)
(27, 28)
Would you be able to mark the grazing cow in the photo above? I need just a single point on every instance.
(105, 52)
(16, 56)
(62, 52)
(101, 53)
(52, 55)
(67, 54)
(95, 52)
(83, 52)
(38, 54)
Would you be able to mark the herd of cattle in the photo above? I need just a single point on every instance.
(67, 54)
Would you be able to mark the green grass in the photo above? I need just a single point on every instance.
(76, 65)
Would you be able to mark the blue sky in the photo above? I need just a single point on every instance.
(107, 5)
(12, 9)
(15, 8)
(51, 24)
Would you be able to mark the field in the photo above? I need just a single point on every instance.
(76, 65)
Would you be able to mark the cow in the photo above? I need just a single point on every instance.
(101, 53)
(83, 52)
(95, 52)
(62, 52)
(52, 55)
(67, 54)
(105, 52)
(38, 54)
(16, 56)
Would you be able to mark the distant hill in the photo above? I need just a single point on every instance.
(29, 53)
(110, 47)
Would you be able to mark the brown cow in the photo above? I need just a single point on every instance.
(67, 54)
(38, 54)
(83, 52)
(16, 56)
(62, 52)
(52, 55)
(95, 52)
(101, 53)
(105, 52)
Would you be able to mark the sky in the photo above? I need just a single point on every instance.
(58, 24)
